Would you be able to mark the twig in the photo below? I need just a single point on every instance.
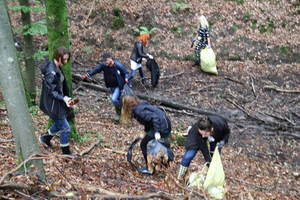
(65, 178)
(8, 154)
(89, 12)
(253, 88)
(203, 88)
(281, 90)
(114, 151)
(249, 183)
(90, 148)
(242, 83)
(3, 140)
(169, 76)
(295, 100)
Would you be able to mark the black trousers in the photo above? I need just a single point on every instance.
(143, 145)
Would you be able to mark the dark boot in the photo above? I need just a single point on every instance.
(144, 81)
(143, 170)
(118, 113)
(46, 140)
(66, 150)
(196, 63)
(182, 171)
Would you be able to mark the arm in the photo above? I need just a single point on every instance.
(204, 150)
(51, 83)
(226, 133)
(96, 70)
(140, 50)
(122, 69)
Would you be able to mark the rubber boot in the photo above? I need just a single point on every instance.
(196, 63)
(46, 140)
(182, 171)
(118, 113)
(66, 150)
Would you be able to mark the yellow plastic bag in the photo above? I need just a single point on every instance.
(215, 178)
(208, 61)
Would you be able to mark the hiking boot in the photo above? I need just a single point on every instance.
(66, 150)
(196, 63)
(46, 140)
(143, 170)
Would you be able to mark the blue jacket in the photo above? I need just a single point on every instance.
(53, 92)
(121, 73)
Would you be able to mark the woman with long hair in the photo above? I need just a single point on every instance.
(203, 38)
(157, 124)
(137, 55)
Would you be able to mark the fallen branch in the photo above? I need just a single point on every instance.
(114, 151)
(89, 13)
(90, 148)
(249, 183)
(281, 90)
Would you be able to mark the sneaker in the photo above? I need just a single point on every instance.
(46, 140)
(143, 170)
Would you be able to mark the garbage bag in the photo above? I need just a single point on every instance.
(154, 146)
(152, 65)
(126, 91)
(215, 178)
(208, 61)
(129, 153)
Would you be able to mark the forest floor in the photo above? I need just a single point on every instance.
(257, 47)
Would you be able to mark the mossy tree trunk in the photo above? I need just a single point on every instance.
(14, 95)
(58, 35)
(28, 53)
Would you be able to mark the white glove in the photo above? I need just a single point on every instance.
(199, 38)
(66, 100)
(142, 136)
(151, 57)
(157, 136)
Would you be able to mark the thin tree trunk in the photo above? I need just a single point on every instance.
(28, 53)
(14, 94)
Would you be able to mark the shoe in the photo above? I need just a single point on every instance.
(196, 63)
(66, 150)
(143, 170)
(118, 113)
(46, 140)
(144, 82)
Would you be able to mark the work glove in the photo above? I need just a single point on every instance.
(157, 136)
(199, 38)
(150, 56)
(66, 100)
(142, 136)
(221, 143)
(194, 40)
(126, 80)
(208, 46)
(84, 77)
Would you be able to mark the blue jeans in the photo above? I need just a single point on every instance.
(132, 73)
(63, 126)
(191, 153)
(115, 93)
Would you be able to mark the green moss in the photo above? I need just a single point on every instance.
(284, 50)
(118, 23)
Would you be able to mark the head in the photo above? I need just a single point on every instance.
(205, 127)
(129, 101)
(203, 21)
(62, 55)
(107, 59)
(144, 38)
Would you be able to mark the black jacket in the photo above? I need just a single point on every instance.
(138, 52)
(194, 139)
(53, 92)
(152, 117)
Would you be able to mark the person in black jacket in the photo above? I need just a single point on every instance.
(137, 55)
(115, 76)
(55, 98)
(157, 124)
(203, 38)
(211, 128)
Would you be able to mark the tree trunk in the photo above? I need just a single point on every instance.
(58, 35)
(28, 53)
(14, 95)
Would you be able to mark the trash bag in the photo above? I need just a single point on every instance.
(126, 91)
(208, 61)
(129, 153)
(154, 146)
(215, 178)
(152, 65)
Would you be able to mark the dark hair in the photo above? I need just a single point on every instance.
(60, 52)
(204, 123)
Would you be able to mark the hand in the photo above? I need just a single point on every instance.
(221, 143)
(66, 100)
(150, 57)
(208, 46)
(83, 77)
(126, 80)
(157, 136)
(194, 40)
(199, 38)
(142, 136)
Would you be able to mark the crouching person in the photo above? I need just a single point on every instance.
(157, 124)
(213, 129)
(55, 98)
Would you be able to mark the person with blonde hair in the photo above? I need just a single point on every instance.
(157, 124)
(203, 38)
(137, 55)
